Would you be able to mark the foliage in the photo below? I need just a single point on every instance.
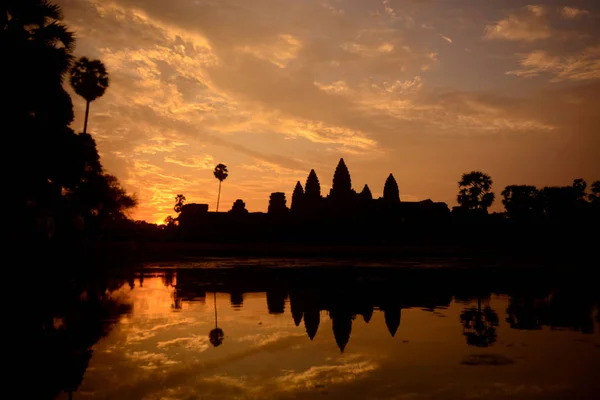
(60, 185)
(89, 78)
(179, 202)
(594, 196)
(221, 172)
(521, 201)
(475, 191)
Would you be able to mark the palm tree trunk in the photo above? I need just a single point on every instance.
(215, 302)
(219, 196)
(87, 112)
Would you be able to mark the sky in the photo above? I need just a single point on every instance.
(424, 89)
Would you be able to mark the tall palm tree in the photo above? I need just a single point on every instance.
(89, 80)
(216, 335)
(221, 174)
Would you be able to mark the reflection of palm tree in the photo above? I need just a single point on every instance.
(89, 80)
(479, 326)
(221, 174)
(216, 335)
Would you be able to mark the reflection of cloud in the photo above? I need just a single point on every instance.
(261, 339)
(326, 375)
(150, 360)
(579, 67)
(193, 343)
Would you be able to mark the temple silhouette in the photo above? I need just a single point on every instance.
(341, 215)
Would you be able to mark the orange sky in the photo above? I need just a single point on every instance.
(426, 90)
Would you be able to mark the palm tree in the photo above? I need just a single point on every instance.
(475, 191)
(216, 335)
(479, 326)
(221, 174)
(89, 80)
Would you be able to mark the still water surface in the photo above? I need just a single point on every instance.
(189, 334)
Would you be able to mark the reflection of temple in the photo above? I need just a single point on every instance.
(345, 295)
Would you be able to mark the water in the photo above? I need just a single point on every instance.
(341, 335)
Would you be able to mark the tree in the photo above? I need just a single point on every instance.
(342, 184)
(216, 335)
(579, 187)
(169, 221)
(521, 201)
(391, 194)
(475, 191)
(594, 197)
(479, 326)
(298, 198)
(277, 203)
(89, 79)
(179, 202)
(221, 174)
(312, 188)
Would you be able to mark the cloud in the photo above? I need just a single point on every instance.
(573, 12)
(528, 24)
(578, 67)
(446, 38)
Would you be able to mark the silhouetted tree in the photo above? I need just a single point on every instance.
(63, 182)
(365, 194)
(221, 174)
(391, 194)
(594, 196)
(179, 202)
(563, 202)
(298, 198)
(521, 201)
(216, 335)
(479, 326)
(169, 221)
(89, 80)
(239, 208)
(312, 189)
(475, 191)
(277, 203)
(342, 184)
(579, 187)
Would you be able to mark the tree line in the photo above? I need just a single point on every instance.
(59, 187)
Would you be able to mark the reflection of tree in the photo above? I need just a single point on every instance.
(523, 313)
(216, 335)
(71, 324)
(479, 326)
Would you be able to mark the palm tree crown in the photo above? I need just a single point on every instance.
(221, 172)
(89, 78)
